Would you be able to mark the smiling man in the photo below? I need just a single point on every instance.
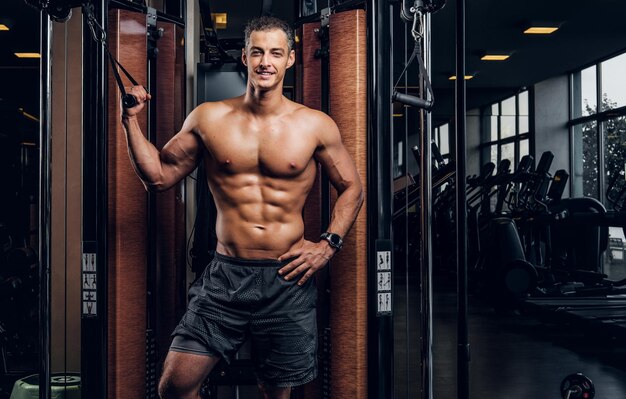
(260, 152)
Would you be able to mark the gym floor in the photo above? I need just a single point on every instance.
(517, 356)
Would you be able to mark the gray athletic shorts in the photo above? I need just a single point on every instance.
(241, 298)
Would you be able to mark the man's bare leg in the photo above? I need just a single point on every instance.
(183, 374)
(269, 392)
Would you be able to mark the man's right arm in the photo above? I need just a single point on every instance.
(160, 170)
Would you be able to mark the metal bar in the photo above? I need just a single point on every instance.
(463, 348)
(407, 286)
(507, 140)
(45, 202)
(94, 202)
(379, 200)
(425, 229)
(600, 138)
(604, 115)
(151, 203)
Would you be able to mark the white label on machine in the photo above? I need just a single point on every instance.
(384, 302)
(89, 284)
(89, 296)
(89, 262)
(384, 260)
(384, 281)
(89, 308)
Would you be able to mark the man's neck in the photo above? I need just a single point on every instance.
(264, 102)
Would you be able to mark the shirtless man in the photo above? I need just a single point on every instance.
(260, 152)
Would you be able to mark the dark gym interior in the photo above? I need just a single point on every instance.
(499, 197)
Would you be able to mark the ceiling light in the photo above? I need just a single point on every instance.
(3, 27)
(467, 77)
(27, 55)
(540, 30)
(494, 57)
(220, 20)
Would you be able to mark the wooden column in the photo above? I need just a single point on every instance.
(128, 209)
(348, 273)
(127, 222)
(348, 279)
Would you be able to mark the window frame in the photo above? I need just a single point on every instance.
(516, 138)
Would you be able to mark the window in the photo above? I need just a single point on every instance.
(441, 137)
(585, 166)
(598, 134)
(614, 130)
(613, 83)
(585, 92)
(506, 130)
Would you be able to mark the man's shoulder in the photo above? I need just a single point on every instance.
(310, 116)
(217, 107)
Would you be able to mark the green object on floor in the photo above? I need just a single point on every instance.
(62, 386)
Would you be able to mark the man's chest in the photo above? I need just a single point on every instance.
(269, 151)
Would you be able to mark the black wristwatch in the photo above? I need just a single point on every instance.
(333, 239)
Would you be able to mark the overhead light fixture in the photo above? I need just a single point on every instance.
(540, 30)
(494, 57)
(28, 55)
(467, 77)
(220, 20)
(3, 27)
(27, 115)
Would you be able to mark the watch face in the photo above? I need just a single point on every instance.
(334, 239)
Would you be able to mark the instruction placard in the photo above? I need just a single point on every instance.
(383, 278)
(89, 284)
(384, 260)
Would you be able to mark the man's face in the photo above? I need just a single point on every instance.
(267, 58)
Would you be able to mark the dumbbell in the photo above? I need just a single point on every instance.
(577, 386)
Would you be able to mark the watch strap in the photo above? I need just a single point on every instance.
(333, 239)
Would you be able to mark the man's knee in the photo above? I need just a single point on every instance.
(183, 374)
(271, 392)
(172, 388)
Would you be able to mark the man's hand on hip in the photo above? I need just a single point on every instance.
(309, 258)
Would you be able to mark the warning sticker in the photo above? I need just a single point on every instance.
(89, 296)
(89, 308)
(384, 260)
(384, 281)
(89, 262)
(384, 302)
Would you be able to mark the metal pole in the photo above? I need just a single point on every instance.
(463, 348)
(425, 228)
(94, 339)
(45, 200)
(380, 192)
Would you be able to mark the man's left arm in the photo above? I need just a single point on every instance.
(342, 173)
